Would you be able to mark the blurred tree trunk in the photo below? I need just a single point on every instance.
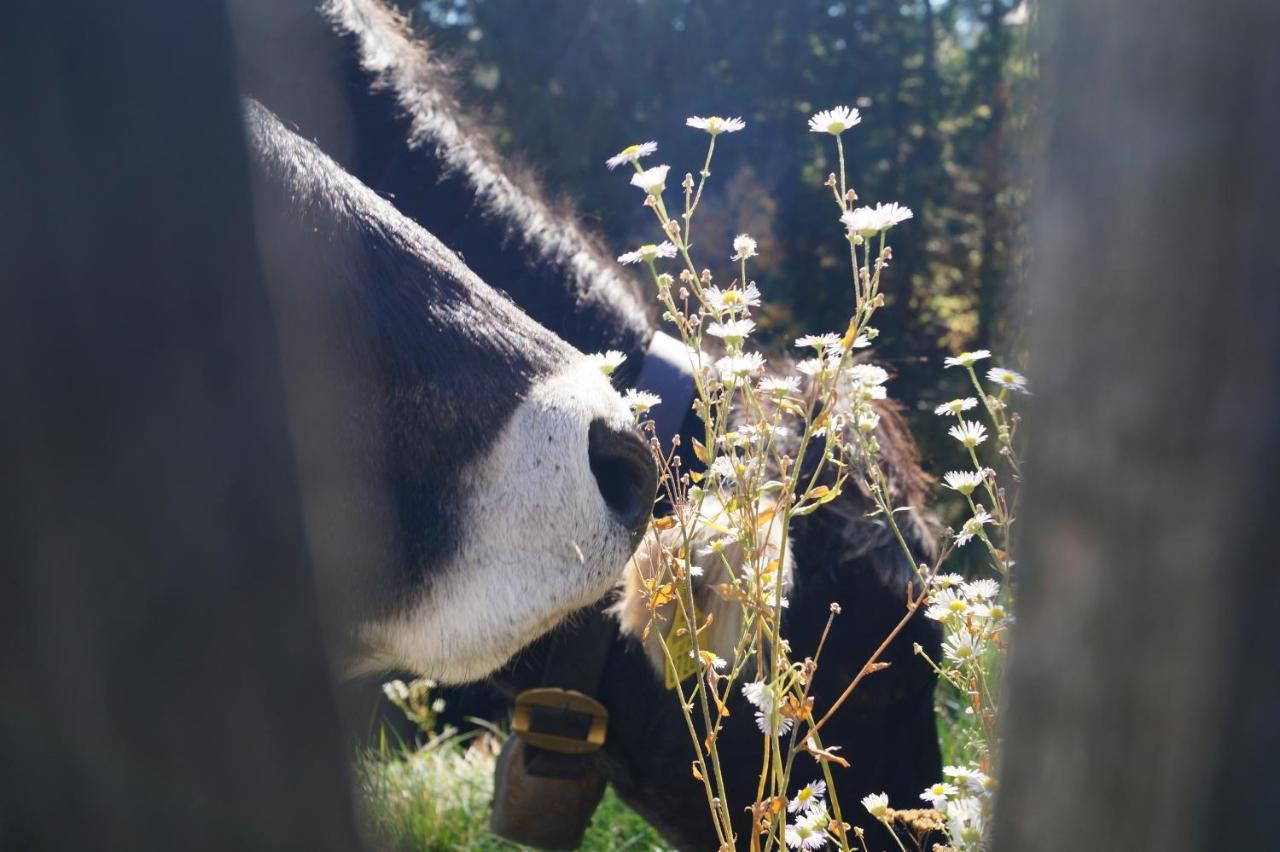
(162, 679)
(993, 171)
(1144, 690)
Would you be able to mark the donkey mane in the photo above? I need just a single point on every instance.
(398, 63)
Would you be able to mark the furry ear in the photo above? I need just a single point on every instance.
(724, 574)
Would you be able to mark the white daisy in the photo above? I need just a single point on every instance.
(961, 648)
(631, 154)
(715, 125)
(964, 481)
(968, 778)
(991, 611)
(653, 180)
(982, 590)
(743, 247)
(765, 723)
(778, 386)
(955, 406)
(946, 605)
(938, 794)
(809, 831)
(967, 359)
(640, 401)
(1008, 379)
(835, 120)
(867, 374)
(725, 468)
(877, 804)
(715, 546)
(969, 432)
(818, 341)
(732, 299)
(972, 527)
(648, 253)
(815, 366)
(759, 694)
(740, 366)
(868, 221)
(947, 581)
(731, 330)
(809, 797)
(607, 362)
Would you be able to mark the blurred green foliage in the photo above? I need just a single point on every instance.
(944, 89)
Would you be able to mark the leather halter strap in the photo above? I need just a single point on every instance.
(577, 657)
(668, 372)
(570, 783)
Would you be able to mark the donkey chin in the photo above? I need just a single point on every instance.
(554, 510)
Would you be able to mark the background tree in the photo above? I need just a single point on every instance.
(569, 82)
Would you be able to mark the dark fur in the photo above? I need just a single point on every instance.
(403, 140)
(439, 359)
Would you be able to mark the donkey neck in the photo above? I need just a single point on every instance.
(374, 100)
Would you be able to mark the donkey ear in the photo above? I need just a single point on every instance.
(717, 566)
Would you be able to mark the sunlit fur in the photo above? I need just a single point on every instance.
(469, 423)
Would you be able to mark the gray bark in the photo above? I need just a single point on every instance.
(1143, 707)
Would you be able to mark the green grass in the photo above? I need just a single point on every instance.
(438, 798)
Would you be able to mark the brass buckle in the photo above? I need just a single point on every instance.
(564, 701)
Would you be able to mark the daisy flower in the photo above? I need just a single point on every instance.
(972, 527)
(640, 401)
(1008, 379)
(961, 648)
(992, 611)
(743, 247)
(964, 481)
(809, 831)
(970, 433)
(947, 581)
(982, 590)
(631, 154)
(938, 794)
(740, 366)
(967, 359)
(778, 386)
(813, 366)
(724, 467)
(607, 362)
(867, 374)
(731, 330)
(715, 125)
(877, 804)
(946, 605)
(761, 696)
(972, 780)
(648, 253)
(653, 180)
(868, 221)
(809, 797)
(835, 120)
(732, 299)
(765, 723)
(955, 406)
(818, 341)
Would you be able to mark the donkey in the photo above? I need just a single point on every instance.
(508, 472)
(399, 131)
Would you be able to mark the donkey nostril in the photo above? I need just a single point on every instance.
(625, 473)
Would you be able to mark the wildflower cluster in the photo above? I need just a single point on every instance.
(713, 575)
